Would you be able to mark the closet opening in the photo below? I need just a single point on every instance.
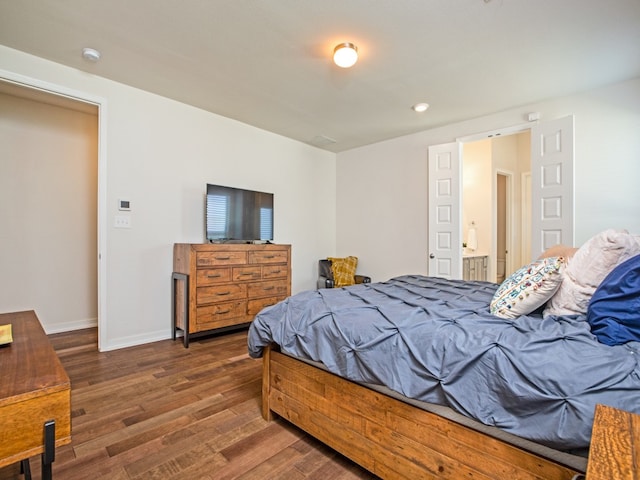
(57, 162)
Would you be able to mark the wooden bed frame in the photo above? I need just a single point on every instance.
(388, 437)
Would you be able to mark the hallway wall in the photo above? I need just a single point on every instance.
(48, 212)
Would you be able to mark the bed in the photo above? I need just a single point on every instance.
(422, 377)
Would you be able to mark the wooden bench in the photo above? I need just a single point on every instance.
(35, 395)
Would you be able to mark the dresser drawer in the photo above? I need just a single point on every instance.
(254, 306)
(211, 276)
(263, 289)
(215, 316)
(274, 271)
(243, 274)
(221, 293)
(273, 256)
(206, 259)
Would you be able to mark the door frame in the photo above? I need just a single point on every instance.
(509, 221)
(101, 104)
(500, 132)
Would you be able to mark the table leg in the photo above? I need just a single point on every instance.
(25, 468)
(49, 454)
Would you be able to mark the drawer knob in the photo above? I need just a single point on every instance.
(269, 288)
(217, 275)
(222, 294)
(223, 312)
(223, 258)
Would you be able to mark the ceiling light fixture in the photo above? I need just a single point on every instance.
(91, 54)
(345, 55)
(420, 107)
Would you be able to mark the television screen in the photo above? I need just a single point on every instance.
(233, 214)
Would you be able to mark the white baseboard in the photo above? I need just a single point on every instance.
(113, 344)
(70, 326)
(133, 340)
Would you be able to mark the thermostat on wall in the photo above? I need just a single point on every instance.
(124, 205)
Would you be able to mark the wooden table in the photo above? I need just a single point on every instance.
(35, 395)
(615, 445)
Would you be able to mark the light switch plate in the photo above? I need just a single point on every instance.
(122, 221)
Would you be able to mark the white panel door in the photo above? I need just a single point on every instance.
(445, 211)
(552, 184)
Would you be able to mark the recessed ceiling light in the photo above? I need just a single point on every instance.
(345, 55)
(420, 107)
(90, 54)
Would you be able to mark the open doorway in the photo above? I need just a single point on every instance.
(493, 178)
(54, 164)
(503, 227)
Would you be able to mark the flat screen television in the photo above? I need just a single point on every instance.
(237, 215)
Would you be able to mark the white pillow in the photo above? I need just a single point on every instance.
(528, 288)
(588, 268)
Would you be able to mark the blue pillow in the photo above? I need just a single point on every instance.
(614, 309)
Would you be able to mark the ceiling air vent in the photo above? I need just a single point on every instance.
(322, 141)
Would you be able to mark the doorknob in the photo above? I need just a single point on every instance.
(431, 255)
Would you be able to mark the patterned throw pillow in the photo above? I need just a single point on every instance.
(528, 288)
(344, 270)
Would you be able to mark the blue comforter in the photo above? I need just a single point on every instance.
(434, 340)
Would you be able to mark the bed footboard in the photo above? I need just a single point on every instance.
(386, 436)
(267, 413)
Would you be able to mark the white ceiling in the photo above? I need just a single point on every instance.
(267, 63)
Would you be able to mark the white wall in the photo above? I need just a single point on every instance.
(160, 155)
(477, 196)
(382, 188)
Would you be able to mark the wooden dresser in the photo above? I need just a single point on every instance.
(223, 286)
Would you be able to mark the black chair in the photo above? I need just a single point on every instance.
(325, 275)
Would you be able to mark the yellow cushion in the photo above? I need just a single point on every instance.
(344, 270)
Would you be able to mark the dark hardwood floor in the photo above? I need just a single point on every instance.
(160, 411)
